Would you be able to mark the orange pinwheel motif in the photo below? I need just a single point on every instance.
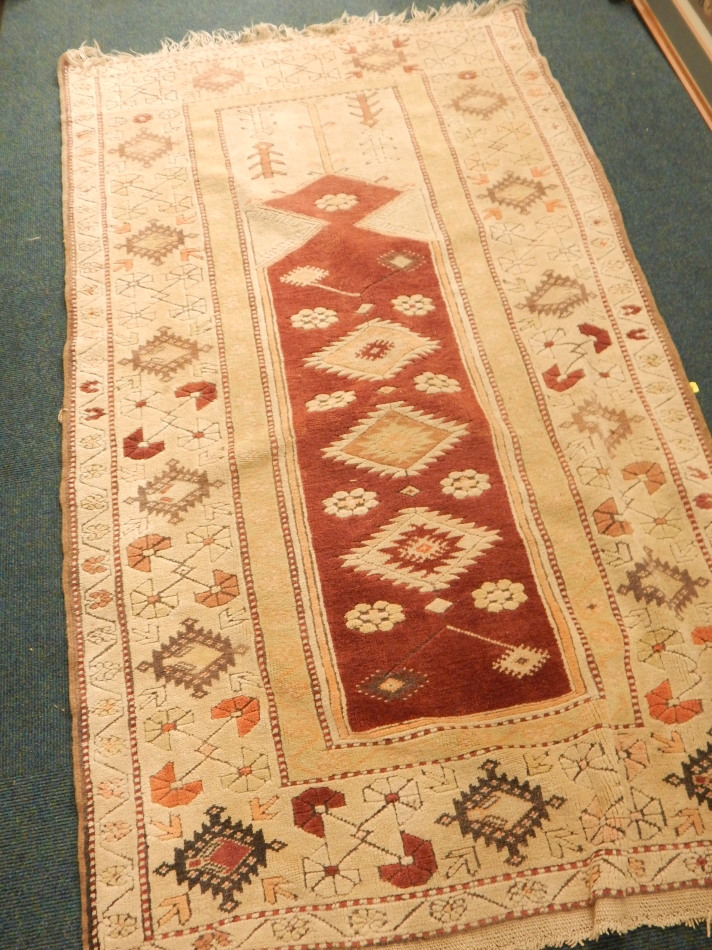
(136, 447)
(222, 592)
(649, 473)
(165, 792)
(140, 551)
(245, 710)
(203, 393)
(609, 521)
(663, 707)
(702, 636)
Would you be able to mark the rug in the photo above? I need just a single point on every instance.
(387, 505)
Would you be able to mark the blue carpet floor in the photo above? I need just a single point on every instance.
(656, 151)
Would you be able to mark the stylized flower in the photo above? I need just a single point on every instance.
(583, 759)
(401, 794)
(526, 892)
(104, 670)
(433, 383)
(216, 539)
(647, 818)
(111, 745)
(112, 788)
(202, 433)
(326, 879)
(416, 868)
(221, 592)
(291, 929)
(446, 910)
(122, 925)
(140, 551)
(101, 635)
(113, 876)
(609, 376)
(668, 709)
(499, 595)
(365, 919)
(653, 645)
(202, 393)
(114, 830)
(95, 531)
(159, 726)
(340, 202)
(95, 565)
(315, 319)
(245, 710)
(310, 807)
(700, 863)
(93, 503)
(467, 484)
(252, 772)
(703, 500)
(92, 441)
(151, 604)
(415, 305)
(367, 618)
(633, 753)
(345, 504)
(604, 827)
(325, 401)
(595, 472)
(96, 599)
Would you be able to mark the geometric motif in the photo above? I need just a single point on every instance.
(421, 549)
(193, 658)
(481, 102)
(155, 242)
(375, 350)
(517, 192)
(164, 354)
(556, 295)
(221, 858)
(395, 440)
(187, 488)
(503, 812)
(696, 776)
(613, 426)
(673, 586)
(392, 684)
(218, 78)
(145, 147)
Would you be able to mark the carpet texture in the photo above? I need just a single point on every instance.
(385, 507)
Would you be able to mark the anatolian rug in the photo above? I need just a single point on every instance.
(386, 504)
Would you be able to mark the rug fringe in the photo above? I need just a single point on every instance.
(90, 54)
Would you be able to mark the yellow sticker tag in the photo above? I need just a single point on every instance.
(694, 387)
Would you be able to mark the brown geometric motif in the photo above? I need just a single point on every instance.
(164, 355)
(421, 549)
(375, 350)
(145, 147)
(517, 192)
(187, 488)
(613, 426)
(503, 812)
(396, 440)
(654, 581)
(479, 102)
(556, 295)
(392, 684)
(155, 242)
(193, 658)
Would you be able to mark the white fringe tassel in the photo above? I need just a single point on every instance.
(91, 54)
